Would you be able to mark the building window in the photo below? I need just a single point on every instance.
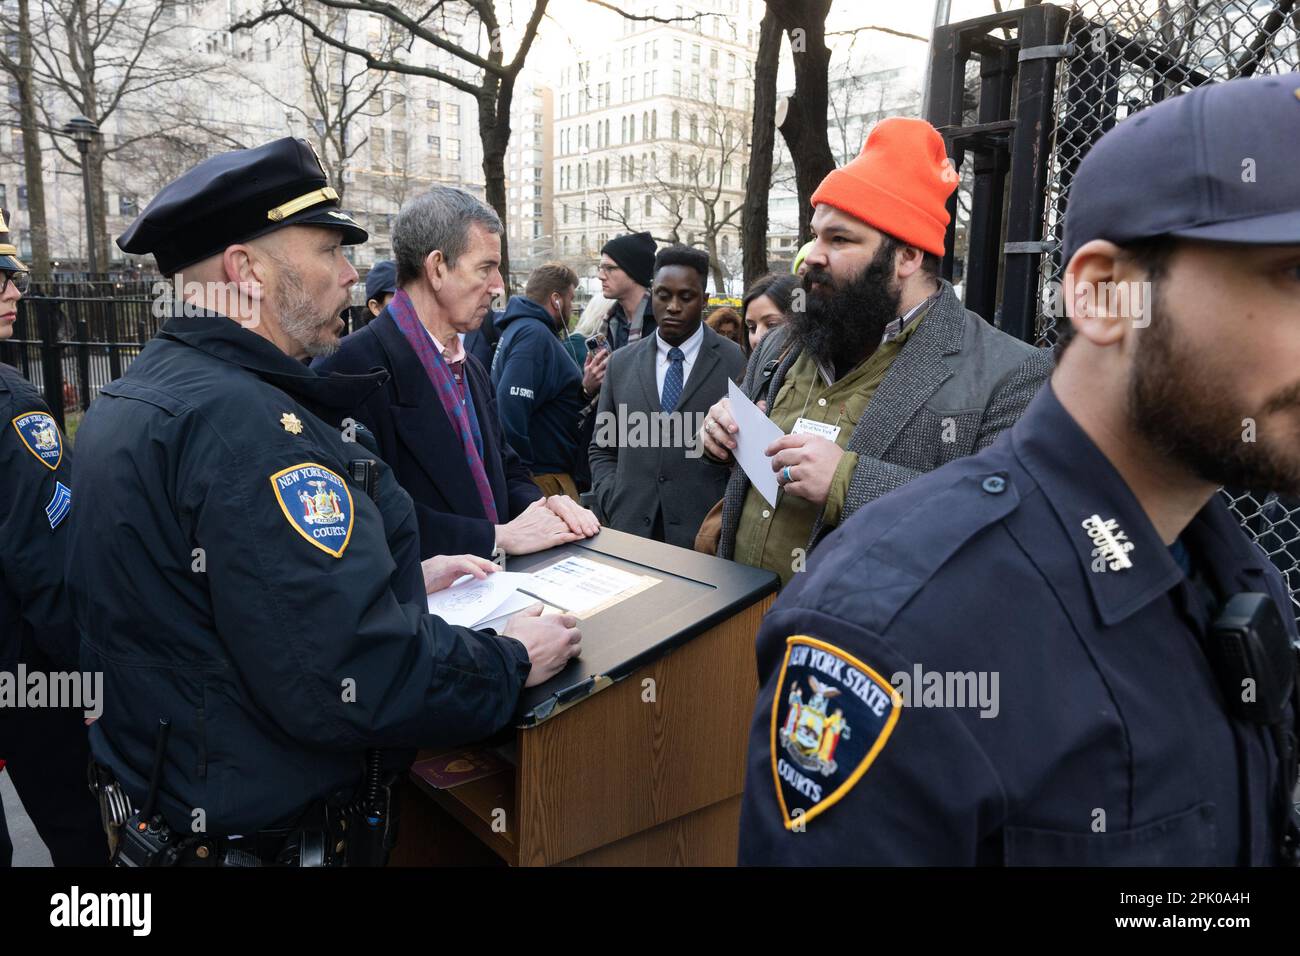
(647, 205)
(677, 82)
(695, 128)
(677, 125)
(127, 205)
(435, 111)
(713, 59)
(695, 54)
(453, 149)
(453, 113)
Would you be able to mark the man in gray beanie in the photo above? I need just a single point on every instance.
(625, 270)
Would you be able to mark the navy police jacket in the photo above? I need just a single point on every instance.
(1002, 663)
(35, 500)
(226, 572)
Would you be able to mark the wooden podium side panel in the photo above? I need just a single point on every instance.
(618, 764)
(708, 837)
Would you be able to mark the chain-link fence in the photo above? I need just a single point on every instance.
(1122, 56)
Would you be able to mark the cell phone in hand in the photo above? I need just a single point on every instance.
(597, 342)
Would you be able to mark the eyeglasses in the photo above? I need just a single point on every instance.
(20, 280)
(604, 270)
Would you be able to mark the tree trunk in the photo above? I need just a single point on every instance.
(99, 197)
(33, 164)
(494, 132)
(804, 128)
(753, 225)
(715, 264)
(94, 159)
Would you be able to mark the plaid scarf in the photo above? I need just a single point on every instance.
(459, 412)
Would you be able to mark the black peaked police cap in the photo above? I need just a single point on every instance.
(234, 197)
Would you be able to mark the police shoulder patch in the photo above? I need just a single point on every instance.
(41, 436)
(831, 716)
(318, 503)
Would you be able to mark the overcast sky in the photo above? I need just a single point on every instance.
(571, 22)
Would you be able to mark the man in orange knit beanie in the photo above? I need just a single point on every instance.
(882, 375)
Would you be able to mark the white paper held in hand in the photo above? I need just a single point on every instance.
(757, 431)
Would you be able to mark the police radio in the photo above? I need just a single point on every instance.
(1253, 658)
(146, 838)
(378, 835)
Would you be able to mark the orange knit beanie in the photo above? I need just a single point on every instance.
(899, 183)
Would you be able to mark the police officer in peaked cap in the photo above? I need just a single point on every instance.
(1065, 649)
(243, 569)
(43, 748)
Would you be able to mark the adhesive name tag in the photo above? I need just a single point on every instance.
(805, 426)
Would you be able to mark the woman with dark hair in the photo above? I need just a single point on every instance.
(726, 322)
(766, 305)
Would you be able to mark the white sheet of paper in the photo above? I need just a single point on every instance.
(578, 584)
(468, 602)
(757, 431)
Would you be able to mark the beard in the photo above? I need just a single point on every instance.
(1176, 403)
(842, 325)
(301, 318)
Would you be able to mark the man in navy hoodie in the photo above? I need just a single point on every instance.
(539, 388)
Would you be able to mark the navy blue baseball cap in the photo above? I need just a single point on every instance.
(234, 197)
(381, 279)
(1216, 163)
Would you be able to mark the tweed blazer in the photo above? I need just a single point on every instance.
(957, 383)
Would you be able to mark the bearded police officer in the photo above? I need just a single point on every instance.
(1136, 648)
(42, 746)
(244, 572)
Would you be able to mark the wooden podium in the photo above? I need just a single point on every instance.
(635, 753)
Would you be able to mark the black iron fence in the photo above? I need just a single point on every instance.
(71, 339)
